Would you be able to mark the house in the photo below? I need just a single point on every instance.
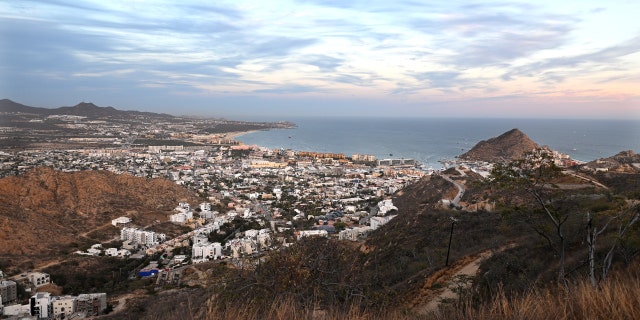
(179, 258)
(243, 245)
(354, 234)
(121, 220)
(91, 304)
(386, 206)
(312, 233)
(38, 279)
(17, 310)
(63, 307)
(114, 252)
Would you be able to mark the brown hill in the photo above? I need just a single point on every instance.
(508, 146)
(45, 211)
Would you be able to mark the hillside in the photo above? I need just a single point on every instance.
(623, 162)
(508, 146)
(47, 212)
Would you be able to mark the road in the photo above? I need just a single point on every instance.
(574, 174)
(460, 187)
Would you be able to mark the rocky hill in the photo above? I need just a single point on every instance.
(47, 212)
(624, 162)
(508, 146)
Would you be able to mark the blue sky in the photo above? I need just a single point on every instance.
(277, 59)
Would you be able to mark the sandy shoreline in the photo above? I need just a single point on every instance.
(235, 135)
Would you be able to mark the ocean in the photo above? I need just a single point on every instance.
(430, 141)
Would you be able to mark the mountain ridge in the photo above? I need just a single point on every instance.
(84, 109)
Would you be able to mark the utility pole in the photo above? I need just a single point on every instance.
(453, 222)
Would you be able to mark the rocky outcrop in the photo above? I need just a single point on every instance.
(510, 145)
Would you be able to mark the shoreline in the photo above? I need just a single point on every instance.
(234, 135)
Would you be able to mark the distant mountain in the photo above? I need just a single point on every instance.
(84, 109)
(508, 146)
(7, 105)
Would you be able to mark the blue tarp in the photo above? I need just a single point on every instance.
(148, 273)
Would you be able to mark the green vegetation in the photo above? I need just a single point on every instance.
(85, 274)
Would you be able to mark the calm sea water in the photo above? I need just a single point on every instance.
(433, 140)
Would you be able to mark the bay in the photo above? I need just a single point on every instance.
(432, 140)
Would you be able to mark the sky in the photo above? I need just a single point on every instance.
(288, 58)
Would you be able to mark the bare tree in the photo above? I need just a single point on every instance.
(531, 178)
(628, 218)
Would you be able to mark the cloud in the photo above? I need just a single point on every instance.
(441, 79)
(403, 51)
(607, 57)
(323, 62)
(278, 46)
(289, 89)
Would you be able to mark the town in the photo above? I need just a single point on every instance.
(275, 197)
(251, 199)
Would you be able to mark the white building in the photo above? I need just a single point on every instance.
(312, 233)
(205, 206)
(183, 215)
(200, 238)
(385, 206)
(354, 234)
(17, 310)
(115, 252)
(40, 305)
(264, 240)
(205, 251)
(377, 222)
(38, 278)
(142, 237)
(120, 220)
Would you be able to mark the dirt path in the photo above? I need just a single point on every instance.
(441, 285)
(122, 300)
(466, 271)
(49, 264)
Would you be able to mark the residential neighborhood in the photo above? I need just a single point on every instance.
(254, 200)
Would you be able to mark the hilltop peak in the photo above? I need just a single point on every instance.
(507, 146)
(85, 105)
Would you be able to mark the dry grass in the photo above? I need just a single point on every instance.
(616, 298)
(286, 309)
